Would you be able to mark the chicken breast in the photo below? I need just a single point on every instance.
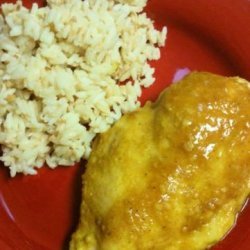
(172, 175)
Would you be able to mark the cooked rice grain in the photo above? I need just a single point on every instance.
(59, 76)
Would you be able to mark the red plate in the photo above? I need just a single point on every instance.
(39, 212)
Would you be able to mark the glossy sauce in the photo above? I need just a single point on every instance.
(180, 179)
(187, 47)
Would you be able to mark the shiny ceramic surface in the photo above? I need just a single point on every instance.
(39, 212)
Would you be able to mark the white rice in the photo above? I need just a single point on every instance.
(59, 76)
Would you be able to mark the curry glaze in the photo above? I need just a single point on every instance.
(172, 175)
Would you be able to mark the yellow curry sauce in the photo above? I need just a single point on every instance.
(172, 175)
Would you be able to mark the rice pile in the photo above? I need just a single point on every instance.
(59, 76)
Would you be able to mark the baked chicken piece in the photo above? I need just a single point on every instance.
(172, 175)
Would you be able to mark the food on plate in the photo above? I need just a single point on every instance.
(173, 174)
(60, 74)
